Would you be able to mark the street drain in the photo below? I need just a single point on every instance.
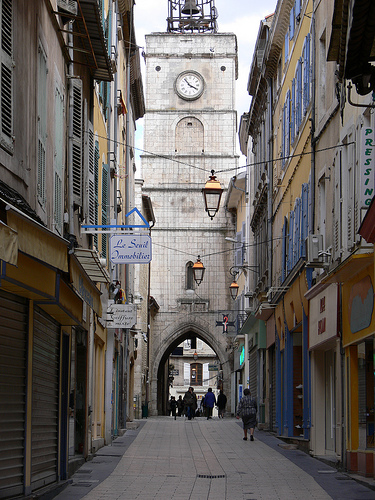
(208, 476)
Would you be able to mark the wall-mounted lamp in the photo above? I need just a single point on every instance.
(198, 271)
(195, 356)
(212, 192)
(233, 288)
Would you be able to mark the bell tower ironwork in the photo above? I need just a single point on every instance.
(192, 16)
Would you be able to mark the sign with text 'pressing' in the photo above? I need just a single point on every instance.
(130, 249)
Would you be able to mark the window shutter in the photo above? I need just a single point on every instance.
(291, 23)
(290, 260)
(105, 206)
(293, 112)
(42, 124)
(299, 96)
(77, 142)
(283, 249)
(297, 231)
(58, 158)
(349, 168)
(337, 210)
(6, 89)
(206, 375)
(306, 73)
(286, 47)
(96, 190)
(91, 174)
(304, 218)
(287, 124)
(283, 136)
(297, 8)
(243, 240)
(238, 250)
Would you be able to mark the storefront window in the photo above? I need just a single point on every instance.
(366, 393)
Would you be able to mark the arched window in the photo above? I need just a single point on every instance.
(189, 276)
(196, 374)
(189, 136)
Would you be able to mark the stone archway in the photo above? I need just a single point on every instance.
(174, 337)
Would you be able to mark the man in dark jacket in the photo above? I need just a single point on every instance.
(190, 403)
(209, 402)
(221, 403)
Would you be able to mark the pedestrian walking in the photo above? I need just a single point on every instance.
(221, 403)
(209, 402)
(190, 403)
(247, 410)
(173, 406)
(180, 406)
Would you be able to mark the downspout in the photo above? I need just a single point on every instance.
(270, 181)
(312, 120)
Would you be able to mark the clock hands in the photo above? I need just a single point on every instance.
(190, 85)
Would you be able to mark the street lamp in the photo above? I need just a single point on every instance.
(212, 192)
(233, 287)
(198, 271)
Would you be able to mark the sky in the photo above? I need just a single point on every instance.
(241, 17)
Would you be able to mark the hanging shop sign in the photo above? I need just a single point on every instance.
(121, 315)
(367, 179)
(130, 249)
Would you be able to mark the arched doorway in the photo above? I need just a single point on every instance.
(159, 364)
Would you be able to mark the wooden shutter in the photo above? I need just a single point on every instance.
(91, 175)
(286, 47)
(304, 218)
(283, 249)
(297, 231)
(287, 124)
(42, 124)
(6, 89)
(77, 142)
(238, 250)
(306, 73)
(96, 190)
(299, 96)
(290, 242)
(58, 159)
(291, 23)
(293, 112)
(105, 205)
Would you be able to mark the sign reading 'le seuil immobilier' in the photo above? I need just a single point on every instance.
(130, 249)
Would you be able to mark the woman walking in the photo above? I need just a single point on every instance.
(247, 410)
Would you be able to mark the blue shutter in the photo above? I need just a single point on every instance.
(283, 249)
(290, 242)
(287, 124)
(291, 23)
(293, 112)
(306, 73)
(283, 154)
(297, 231)
(299, 96)
(310, 227)
(297, 8)
(286, 47)
(305, 218)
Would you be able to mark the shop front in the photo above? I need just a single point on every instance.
(326, 371)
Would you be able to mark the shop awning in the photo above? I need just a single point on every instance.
(8, 244)
(90, 262)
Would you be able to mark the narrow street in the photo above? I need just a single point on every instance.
(167, 459)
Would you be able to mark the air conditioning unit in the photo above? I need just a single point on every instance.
(314, 250)
(68, 6)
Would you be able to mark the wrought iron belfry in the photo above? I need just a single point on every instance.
(192, 16)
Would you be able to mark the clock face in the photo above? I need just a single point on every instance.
(189, 85)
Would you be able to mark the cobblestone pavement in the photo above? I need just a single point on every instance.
(206, 459)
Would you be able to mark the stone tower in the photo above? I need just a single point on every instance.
(190, 129)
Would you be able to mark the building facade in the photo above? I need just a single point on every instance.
(190, 127)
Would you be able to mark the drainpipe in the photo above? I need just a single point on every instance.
(312, 120)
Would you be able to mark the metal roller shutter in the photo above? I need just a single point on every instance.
(45, 406)
(13, 335)
(253, 373)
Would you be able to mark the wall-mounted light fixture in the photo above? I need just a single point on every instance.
(233, 288)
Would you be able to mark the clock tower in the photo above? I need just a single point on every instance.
(190, 129)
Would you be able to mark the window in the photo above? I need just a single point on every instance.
(189, 136)
(306, 73)
(286, 129)
(6, 88)
(42, 124)
(189, 276)
(196, 373)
